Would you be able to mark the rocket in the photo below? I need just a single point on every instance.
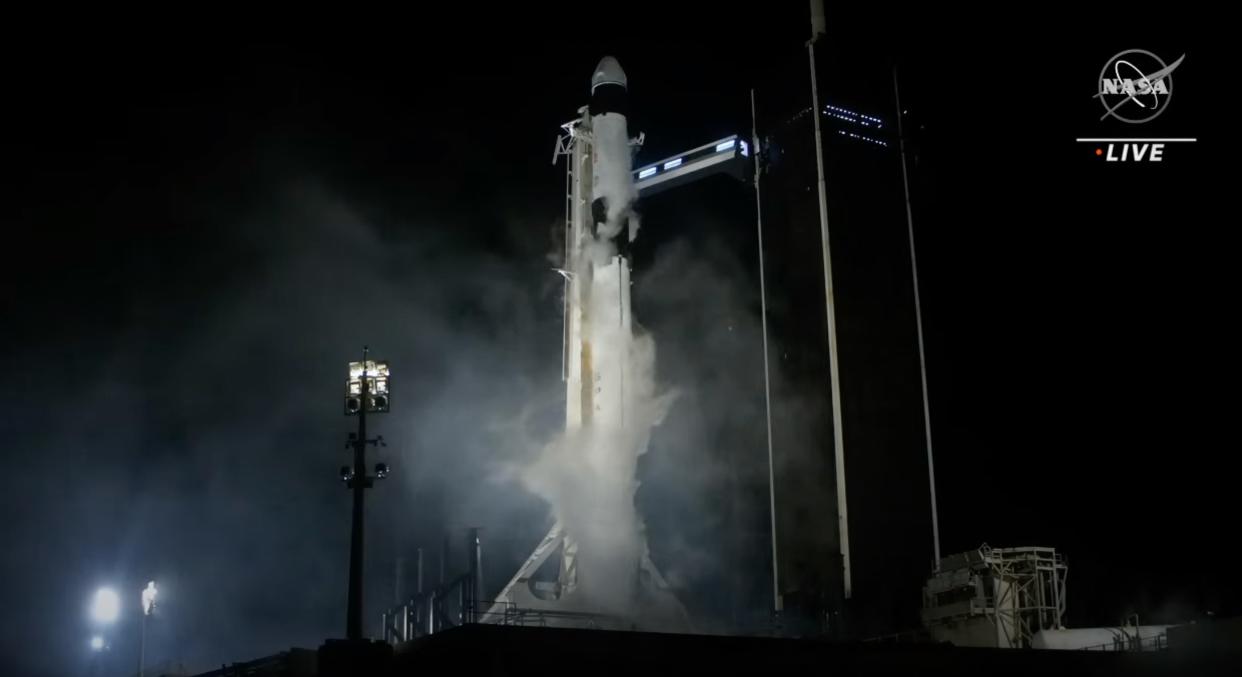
(603, 392)
(601, 224)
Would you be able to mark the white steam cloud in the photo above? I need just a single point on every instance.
(588, 473)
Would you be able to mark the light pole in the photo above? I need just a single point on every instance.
(148, 606)
(366, 391)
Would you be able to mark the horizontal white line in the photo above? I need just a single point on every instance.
(1186, 140)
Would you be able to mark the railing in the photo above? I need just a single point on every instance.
(1158, 642)
(447, 606)
(514, 615)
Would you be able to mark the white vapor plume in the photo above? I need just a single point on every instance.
(588, 474)
(613, 180)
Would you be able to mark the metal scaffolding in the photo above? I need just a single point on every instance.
(998, 597)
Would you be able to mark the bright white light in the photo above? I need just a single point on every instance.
(373, 368)
(724, 145)
(672, 163)
(97, 643)
(745, 150)
(650, 171)
(107, 605)
(863, 138)
(148, 598)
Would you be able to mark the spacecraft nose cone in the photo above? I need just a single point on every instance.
(608, 72)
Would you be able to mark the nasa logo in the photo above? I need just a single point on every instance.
(1136, 86)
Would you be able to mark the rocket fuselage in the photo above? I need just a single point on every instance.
(598, 308)
(607, 373)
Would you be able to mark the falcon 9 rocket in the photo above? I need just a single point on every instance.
(600, 228)
(588, 474)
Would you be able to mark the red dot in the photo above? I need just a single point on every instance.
(1099, 151)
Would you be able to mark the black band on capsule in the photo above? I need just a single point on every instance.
(609, 98)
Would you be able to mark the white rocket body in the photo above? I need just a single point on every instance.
(588, 475)
(601, 226)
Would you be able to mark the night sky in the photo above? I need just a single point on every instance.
(204, 223)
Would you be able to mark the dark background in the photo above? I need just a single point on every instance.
(206, 220)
